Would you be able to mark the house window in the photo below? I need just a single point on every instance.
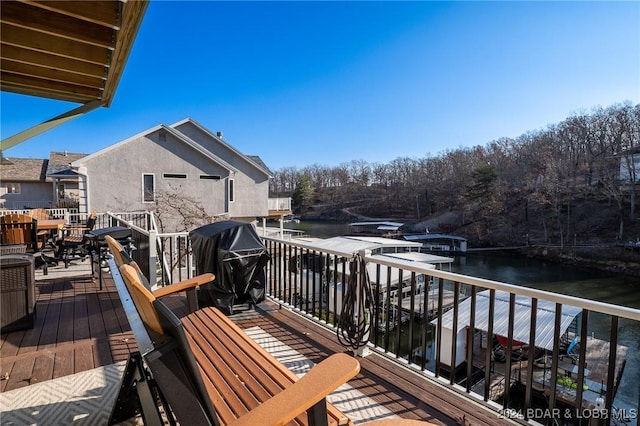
(174, 175)
(232, 194)
(12, 188)
(148, 188)
(210, 177)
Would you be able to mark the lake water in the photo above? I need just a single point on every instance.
(554, 277)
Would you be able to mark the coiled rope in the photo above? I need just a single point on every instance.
(357, 307)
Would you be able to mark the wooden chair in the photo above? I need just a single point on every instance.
(210, 372)
(18, 229)
(73, 241)
(41, 214)
(121, 257)
(21, 230)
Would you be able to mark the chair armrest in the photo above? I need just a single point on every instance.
(184, 285)
(323, 379)
(76, 228)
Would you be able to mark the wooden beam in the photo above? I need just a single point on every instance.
(32, 57)
(41, 42)
(56, 90)
(51, 74)
(132, 15)
(105, 13)
(38, 19)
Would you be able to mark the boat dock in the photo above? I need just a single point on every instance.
(596, 367)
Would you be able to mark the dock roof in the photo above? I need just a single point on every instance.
(421, 257)
(545, 317)
(348, 246)
(425, 237)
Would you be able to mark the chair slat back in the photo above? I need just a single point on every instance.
(142, 298)
(19, 229)
(115, 248)
(39, 214)
(91, 221)
(77, 231)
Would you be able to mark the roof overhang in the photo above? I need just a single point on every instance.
(72, 51)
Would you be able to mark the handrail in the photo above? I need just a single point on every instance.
(592, 305)
(417, 267)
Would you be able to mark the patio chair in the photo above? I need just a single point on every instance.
(19, 229)
(210, 372)
(74, 241)
(22, 230)
(42, 234)
(121, 257)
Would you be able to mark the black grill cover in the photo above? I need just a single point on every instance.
(233, 252)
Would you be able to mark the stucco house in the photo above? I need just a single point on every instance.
(182, 160)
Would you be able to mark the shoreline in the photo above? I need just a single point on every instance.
(608, 259)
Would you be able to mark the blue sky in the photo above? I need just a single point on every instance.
(301, 83)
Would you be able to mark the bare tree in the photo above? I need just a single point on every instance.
(176, 212)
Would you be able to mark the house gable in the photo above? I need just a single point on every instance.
(252, 166)
(179, 137)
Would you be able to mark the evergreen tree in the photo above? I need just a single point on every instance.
(302, 197)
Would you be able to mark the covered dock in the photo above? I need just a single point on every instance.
(439, 242)
(596, 352)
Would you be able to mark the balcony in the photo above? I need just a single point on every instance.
(279, 207)
(412, 310)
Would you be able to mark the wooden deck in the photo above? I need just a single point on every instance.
(79, 327)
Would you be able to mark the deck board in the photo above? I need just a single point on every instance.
(76, 328)
(402, 392)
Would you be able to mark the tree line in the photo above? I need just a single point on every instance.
(533, 181)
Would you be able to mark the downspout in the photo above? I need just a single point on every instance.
(55, 191)
(83, 189)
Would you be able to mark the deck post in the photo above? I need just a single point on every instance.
(153, 257)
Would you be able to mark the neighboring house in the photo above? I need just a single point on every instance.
(184, 159)
(33, 183)
(24, 184)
